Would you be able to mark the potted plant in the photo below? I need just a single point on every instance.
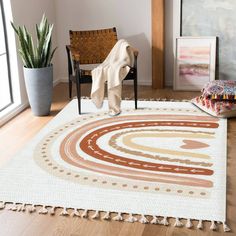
(38, 68)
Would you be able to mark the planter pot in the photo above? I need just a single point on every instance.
(39, 84)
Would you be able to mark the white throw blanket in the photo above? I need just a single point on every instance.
(113, 70)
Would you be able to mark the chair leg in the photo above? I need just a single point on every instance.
(136, 93)
(70, 88)
(78, 95)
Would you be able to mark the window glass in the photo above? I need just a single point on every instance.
(5, 80)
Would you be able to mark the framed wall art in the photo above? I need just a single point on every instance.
(195, 62)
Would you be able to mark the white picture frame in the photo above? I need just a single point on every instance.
(195, 62)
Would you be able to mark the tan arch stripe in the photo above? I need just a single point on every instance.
(127, 140)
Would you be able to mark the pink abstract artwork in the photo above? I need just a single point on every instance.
(195, 63)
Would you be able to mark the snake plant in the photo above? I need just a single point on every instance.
(40, 55)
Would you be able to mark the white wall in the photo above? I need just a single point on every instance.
(132, 19)
(28, 13)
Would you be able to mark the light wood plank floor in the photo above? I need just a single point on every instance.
(16, 133)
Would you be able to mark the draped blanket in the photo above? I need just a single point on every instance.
(113, 70)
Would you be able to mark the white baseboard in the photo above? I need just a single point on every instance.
(63, 80)
(56, 82)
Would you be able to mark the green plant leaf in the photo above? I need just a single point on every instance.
(41, 54)
(51, 56)
(24, 47)
(15, 29)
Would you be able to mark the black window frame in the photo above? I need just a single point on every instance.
(7, 55)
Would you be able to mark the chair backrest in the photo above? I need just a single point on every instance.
(93, 45)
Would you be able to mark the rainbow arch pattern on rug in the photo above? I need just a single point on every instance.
(152, 151)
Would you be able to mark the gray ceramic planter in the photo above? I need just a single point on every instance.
(39, 84)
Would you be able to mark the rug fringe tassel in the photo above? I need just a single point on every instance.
(118, 217)
(75, 212)
(85, 214)
(107, 216)
(64, 212)
(200, 224)
(131, 219)
(31, 209)
(164, 221)
(189, 224)
(226, 227)
(13, 207)
(143, 220)
(2, 205)
(21, 207)
(43, 210)
(52, 211)
(178, 223)
(213, 226)
(154, 220)
(95, 215)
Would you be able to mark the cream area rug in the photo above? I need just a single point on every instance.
(166, 159)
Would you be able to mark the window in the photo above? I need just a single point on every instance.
(6, 97)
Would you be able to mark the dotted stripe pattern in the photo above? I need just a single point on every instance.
(113, 143)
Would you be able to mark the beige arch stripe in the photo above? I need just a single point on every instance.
(127, 140)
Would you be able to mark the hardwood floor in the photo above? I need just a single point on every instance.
(16, 133)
